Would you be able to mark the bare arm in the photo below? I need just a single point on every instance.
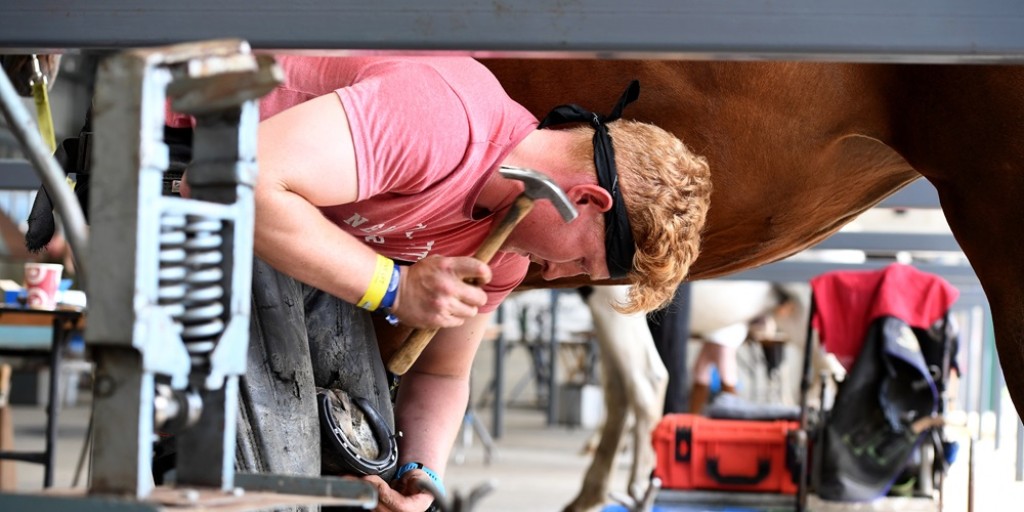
(307, 160)
(432, 399)
(432, 396)
(296, 163)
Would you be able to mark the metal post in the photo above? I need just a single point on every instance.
(53, 404)
(670, 329)
(804, 436)
(498, 413)
(1019, 464)
(997, 406)
(122, 396)
(971, 466)
(553, 361)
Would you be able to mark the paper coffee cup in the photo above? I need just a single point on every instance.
(42, 281)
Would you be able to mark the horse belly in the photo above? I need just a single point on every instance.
(718, 304)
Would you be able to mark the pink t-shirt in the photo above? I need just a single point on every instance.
(428, 131)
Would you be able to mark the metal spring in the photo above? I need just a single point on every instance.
(171, 275)
(203, 301)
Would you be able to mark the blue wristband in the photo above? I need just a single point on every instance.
(392, 291)
(419, 465)
(390, 295)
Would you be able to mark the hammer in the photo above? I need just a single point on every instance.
(537, 186)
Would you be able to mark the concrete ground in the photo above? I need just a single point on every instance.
(532, 468)
(535, 467)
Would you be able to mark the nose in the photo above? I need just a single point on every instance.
(558, 270)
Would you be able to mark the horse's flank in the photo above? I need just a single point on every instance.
(797, 150)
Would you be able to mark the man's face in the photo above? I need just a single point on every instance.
(562, 249)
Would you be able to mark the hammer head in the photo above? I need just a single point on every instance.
(538, 186)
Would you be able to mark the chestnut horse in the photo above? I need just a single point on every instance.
(798, 149)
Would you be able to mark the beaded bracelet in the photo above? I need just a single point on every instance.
(382, 276)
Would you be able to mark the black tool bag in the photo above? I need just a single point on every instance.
(897, 379)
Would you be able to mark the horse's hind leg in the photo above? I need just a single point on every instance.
(634, 380)
(963, 129)
(612, 341)
(649, 387)
(598, 476)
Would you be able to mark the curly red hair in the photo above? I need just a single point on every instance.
(667, 191)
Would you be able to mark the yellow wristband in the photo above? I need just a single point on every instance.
(378, 284)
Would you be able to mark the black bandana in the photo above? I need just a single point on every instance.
(618, 238)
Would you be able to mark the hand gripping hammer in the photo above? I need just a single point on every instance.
(536, 186)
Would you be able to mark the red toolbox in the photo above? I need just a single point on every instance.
(695, 452)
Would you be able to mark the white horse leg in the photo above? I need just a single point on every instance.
(596, 479)
(650, 383)
(634, 380)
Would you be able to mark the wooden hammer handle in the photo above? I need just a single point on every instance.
(418, 339)
(497, 236)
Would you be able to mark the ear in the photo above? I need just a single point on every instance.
(590, 195)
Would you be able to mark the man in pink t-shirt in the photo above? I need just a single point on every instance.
(378, 180)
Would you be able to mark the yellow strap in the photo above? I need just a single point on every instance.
(378, 284)
(42, 99)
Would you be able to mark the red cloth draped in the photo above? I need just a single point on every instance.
(848, 301)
